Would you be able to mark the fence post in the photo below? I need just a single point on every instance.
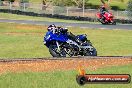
(117, 15)
(24, 6)
(10, 4)
(83, 7)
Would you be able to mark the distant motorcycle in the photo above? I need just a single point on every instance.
(60, 45)
(109, 18)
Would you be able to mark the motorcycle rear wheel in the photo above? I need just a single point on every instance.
(114, 23)
(91, 53)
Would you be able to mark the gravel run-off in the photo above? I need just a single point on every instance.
(47, 65)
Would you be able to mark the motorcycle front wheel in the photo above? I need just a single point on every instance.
(55, 52)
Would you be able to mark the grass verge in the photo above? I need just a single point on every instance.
(118, 3)
(60, 79)
(22, 17)
(26, 41)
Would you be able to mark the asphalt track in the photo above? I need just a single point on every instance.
(81, 25)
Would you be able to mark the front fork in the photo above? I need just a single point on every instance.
(58, 46)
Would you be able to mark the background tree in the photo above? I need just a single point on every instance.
(44, 4)
(79, 3)
(11, 0)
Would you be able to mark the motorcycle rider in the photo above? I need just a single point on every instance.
(102, 12)
(56, 29)
(52, 28)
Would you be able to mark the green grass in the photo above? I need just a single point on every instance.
(60, 79)
(121, 5)
(29, 43)
(22, 17)
(34, 1)
(26, 41)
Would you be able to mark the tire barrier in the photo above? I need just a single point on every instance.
(18, 12)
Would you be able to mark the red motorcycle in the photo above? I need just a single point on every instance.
(107, 18)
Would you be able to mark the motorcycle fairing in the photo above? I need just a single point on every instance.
(82, 37)
(50, 36)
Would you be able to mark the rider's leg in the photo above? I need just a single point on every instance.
(71, 36)
(102, 17)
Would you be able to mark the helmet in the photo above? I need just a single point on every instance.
(51, 27)
(103, 7)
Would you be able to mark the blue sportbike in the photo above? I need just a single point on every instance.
(61, 45)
